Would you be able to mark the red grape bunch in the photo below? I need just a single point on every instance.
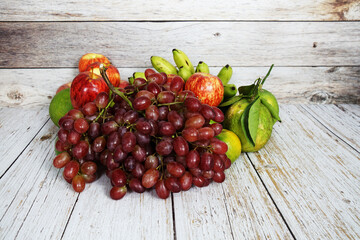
(151, 134)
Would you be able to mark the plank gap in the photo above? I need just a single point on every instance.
(72, 210)
(227, 212)
(23, 150)
(272, 200)
(173, 214)
(322, 124)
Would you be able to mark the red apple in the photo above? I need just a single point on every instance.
(208, 88)
(112, 72)
(90, 58)
(85, 87)
(64, 86)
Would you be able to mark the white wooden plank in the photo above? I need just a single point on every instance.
(136, 216)
(239, 208)
(338, 120)
(312, 177)
(35, 199)
(298, 84)
(127, 10)
(17, 129)
(61, 44)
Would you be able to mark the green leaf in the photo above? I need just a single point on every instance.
(271, 108)
(246, 90)
(253, 119)
(244, 125)
(230, 101)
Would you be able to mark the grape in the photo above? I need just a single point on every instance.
(186, 181)
(192, 104)
(181, 160)
(139, 153)
(176, 84)
(149, 72)
(75, 114)
(173, 184)
(109, 127)
(67, 123)
(119, 154)
(184, 94)
(102, 100)
(206, 161)
(131, 117)
(89, 178)
(175, 169)
(73, 137)
(98, 144)
(154, 127)
(129, 163)
(150, 178)
(219, 177)
(78, 183)
(61, 146)
(181, 147)
(141, 103)
(219, 165)
(206, 133)
(81, 125)
(143, 127)
(199, 181)
(128, 141)
(207, 112)
(152, 112)
(196, 121)
(151, 161)
(118, 193)
(190, 134)
(138, 171)
(80, 150)
(217, 127)
(142, 139)
(154, 88)
(219, 147)
(164, 77)
(118, 177)
(62, 135)
(71, 169)
(157, 78)
(103, 156)
(110, 162)
(163, 112)
(219, 115)
(89, 109)
(175, 119)
(165, 97)
(161, 189)
(208, 174)
(94, 130)
(139, 83)
(61, 160)
(88, 168)
(136, 186)
(166, 129)
(193, 159)
(164, 147)
(145, 93)
(113, 141)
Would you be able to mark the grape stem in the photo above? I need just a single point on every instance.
(168, 104)
(112, 88)
(104, 110)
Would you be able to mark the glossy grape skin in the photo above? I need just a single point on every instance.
(217, 127)
(102, 100)
(136, 186)
(73, 137)
(143, 127)
(118, 193)
(161, 190)
(199, 181)
(80, 150)
(175, 169)
(150, 178)
(206, 161)
(219, 147)
(71, 169)
(89, 109)
(138, 171)
(98, 144)
(183, 95)
(129, 163)
(151, 161)
(165, 97)
(163, 112)
(219, 115)
(118, 177)
(190, 134)
(154, 88)
(109, 127)
(119, 154)
(164, 147)
(166, 129)
(219, 177)
(88, 168)
(193, 159)
(196, 121)
(139, 153)
(128, 141)
(180, 145)
(149, 72)
(61, 160)
(141, 103)
(177, 84)
(207, 112)
(131, 117)
(152, 112)
(192, 104)
(94, 130)
(75, 114)
(156, 77)
(219, 165)
(89, 178)
(206, 133)
(67, 123)
(78, 183)
(139, 83)
(111, 164)
(186, 181)
(62, 135)
(81, 125)
(61, 146)
(173, 184)
(175, 119)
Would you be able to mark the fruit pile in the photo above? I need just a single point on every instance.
(161, 130)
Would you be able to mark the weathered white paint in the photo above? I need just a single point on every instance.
(312, 176)
(131, 44)
(164, 10)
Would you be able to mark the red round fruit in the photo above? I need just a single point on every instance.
(90, 58)
(111, 71)
(208, 88)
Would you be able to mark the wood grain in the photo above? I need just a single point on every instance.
(35, 199)
(130, 44)
(17, 129)
(136, 216)
(332, 117)
(312, 176)
(36, 87)
(162, 10)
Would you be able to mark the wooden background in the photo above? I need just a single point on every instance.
(304, 184)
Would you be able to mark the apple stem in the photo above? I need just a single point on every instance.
(112, 88)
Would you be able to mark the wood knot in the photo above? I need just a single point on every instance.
(315, 44)
(15, 95)
(321, 97)
(217, 34)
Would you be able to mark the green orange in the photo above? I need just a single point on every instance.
(233, 142)
(60, 105)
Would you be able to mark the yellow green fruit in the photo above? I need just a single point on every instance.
(60, 105)
(232, 123)
(269, 100)
(233, 142)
